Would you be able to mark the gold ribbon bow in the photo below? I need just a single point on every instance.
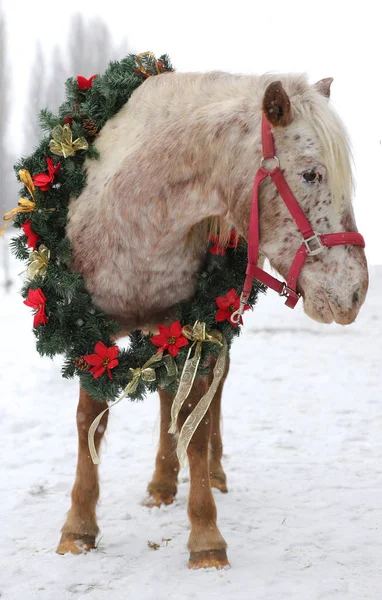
(147, 373)
(62, 143)
(24, 205)
(39, 262)
(198, 335)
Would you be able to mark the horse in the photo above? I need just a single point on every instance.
(181, 155)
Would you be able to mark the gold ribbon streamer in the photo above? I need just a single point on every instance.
(62, 143)
(39, 262)
(198, 335)
(93, 428)
(147, 373)
(192, 422)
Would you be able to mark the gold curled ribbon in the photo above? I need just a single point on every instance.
(140, 64)
(147, 373)
(24, 205)
(27, 180)
(62, 143)
(197, 335)
(39, 262)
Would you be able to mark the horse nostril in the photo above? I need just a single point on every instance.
(355, 298)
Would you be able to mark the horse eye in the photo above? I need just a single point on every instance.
(312, 176)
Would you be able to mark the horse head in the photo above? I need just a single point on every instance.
(313, 153)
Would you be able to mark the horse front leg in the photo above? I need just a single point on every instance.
(206, 544)
(163, 485)
(217, 475)
(80, 529)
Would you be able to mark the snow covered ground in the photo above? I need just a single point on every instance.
(303, 455)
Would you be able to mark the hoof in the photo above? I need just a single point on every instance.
(74, 543)
(219, 482)
(158, 499)
(206, 559)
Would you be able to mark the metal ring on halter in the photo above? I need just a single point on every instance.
(235, 317)
(270, 158)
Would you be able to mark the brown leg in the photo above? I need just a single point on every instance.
(217, 476)
(80, 528)
(163, 486)
(206, 544)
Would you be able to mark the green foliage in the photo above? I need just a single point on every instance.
(75, 325)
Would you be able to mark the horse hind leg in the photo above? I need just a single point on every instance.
(217, 475)
(163, 485)
(80, 529)
(206, 544)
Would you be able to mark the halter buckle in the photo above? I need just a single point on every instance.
(287, 291)
(235, 317)
(313, 244)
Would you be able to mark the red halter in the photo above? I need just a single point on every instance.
(313, 243)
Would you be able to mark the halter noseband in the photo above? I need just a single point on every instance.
(313, 243)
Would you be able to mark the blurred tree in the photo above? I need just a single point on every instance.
(89, 50)
(55, 89)
(91, 46)
(5, 158)
(37, 100)
(3, 104)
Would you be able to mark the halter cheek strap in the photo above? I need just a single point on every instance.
(312, 243)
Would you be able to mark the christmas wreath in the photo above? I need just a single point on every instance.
(65, 319)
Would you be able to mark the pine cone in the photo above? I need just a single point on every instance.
(81, 364)
(90, 128)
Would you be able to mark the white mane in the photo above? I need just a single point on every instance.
(312, 107)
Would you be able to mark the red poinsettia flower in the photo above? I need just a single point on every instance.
(217, 248)
(37, 300)
(228, 304)
(32, 237)
(85, 84)
(103, 360)
(43, 180)
(170, 338)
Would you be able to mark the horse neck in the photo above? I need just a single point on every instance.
(175, 173)
(203, 129)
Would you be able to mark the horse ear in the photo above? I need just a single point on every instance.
(276, 105)
(323, 86)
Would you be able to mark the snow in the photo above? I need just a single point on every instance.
(303, 456)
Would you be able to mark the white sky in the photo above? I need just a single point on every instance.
(325, 39)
